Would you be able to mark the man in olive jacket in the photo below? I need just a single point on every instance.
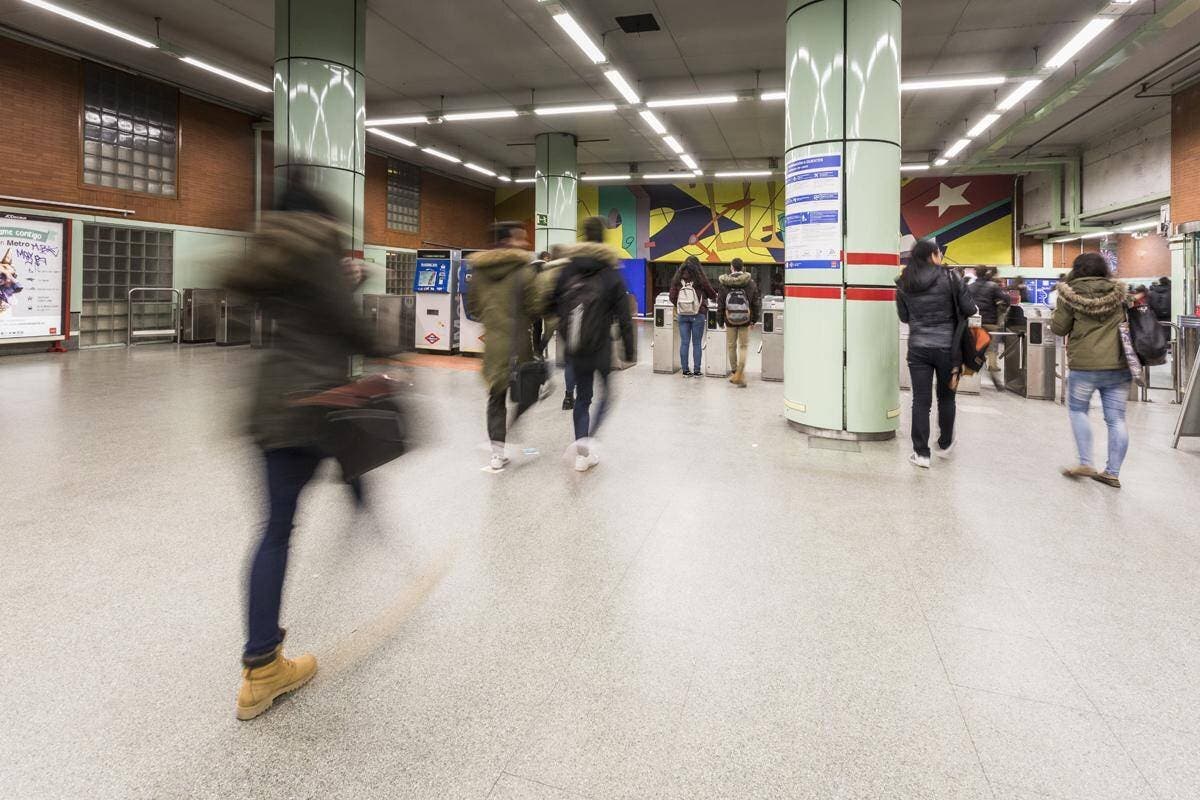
(503, 280)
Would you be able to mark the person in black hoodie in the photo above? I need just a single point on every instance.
(993, 303)
(1160, 299)
(931, 300)
(589, 294)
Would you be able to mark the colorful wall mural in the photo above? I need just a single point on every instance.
(717, 221)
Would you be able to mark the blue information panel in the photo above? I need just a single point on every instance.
(1040, 289)
(813, 219)
(433, 275)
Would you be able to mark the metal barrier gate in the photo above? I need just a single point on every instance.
(154, 333)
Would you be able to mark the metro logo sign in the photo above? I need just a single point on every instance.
(433, 338)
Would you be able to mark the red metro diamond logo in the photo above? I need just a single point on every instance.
(433, 338)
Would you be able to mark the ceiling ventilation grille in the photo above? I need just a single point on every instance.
(638, 23)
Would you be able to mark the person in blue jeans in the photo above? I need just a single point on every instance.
(1090, 310)
(690, 294)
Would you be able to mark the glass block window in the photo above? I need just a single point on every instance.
(130, 128)
(401, 271)
(403, 196)
(115, 260)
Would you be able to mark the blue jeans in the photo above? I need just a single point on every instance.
(1113, 385)
(691, 331)
(585, 382)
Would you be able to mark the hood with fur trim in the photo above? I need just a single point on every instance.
(1092, 297)
(498, 264)
(738, 280)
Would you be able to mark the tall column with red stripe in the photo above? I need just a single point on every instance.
(843, 216)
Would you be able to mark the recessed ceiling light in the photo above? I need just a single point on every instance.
(415, 119)
(653, 121)
(1018, 94)
(773, 95)
(479, 169)
(913, 167)
(433, 151)
(689, 161)
(584, 109)
(624, 177)
(622, 86)
(460, 116)
(957, 148)
(91, 23)
(951, 83)
(224, 73)
(1079, 41)
(665, 175)
(580, 37)
(524, 180)
(504, 178)
(393, 137)
(1142, 226)
(983, 125)
(679, 102)
(745, 173)
(1099, 235)
(941, 162)
(673, 143)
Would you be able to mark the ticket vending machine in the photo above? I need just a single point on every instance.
(436, 328)
(471, 336)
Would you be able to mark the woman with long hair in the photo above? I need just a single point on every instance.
(932, 300)
(690, 294)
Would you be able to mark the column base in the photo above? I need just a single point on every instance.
(843, 436)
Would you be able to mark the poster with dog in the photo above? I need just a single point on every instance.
(31, 278)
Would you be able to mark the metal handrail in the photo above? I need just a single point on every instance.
(1176, 369)
(176, 317)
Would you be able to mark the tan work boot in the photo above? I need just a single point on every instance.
(740, 380)
(261, 685)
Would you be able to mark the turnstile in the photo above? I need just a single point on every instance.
(262, 327)
(198, 316)
(234, 319)
(1030, 362)
(772, 338)
(716, 357)
(666, 336)
(391, 318)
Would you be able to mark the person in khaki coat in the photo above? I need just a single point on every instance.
(504, 281)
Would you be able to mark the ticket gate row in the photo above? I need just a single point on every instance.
(215, 315)
(716, 363)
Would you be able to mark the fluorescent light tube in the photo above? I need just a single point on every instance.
(585, 109)
(466, 115)
(689, 161)
(673, 143)
(697, 172)
(622, 86)
(653, 122)
(957, 148)
(504, 178)
(1141, 226)
(913, 167)
(91, 23)
(393, 137)
(941, 162)
(195, 62)
(983, 124)
(693, 101)
(416, 119)
(580, 37)
(1079, 41)
(1064, 239)
(665, 175)
(624, 177)
(773, 95)
(951, 83)
(1018, 94)
(745, 173)
(479, 169)
(1100, 235)
(445, 156)
(524, 180)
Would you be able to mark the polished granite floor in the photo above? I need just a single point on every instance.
(722, 609)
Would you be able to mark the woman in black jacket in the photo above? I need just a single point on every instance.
(932, 301)
(691, 326)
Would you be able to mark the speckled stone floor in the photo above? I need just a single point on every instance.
(719, 610)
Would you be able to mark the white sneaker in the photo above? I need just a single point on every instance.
(949, 451)
(919, 461)
(498, 462)
(584, 463)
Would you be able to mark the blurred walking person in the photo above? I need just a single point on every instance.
(690, 292)
(296, 273)
(588, 296)
(931, 298)
(739, 304)
(505, 296)
(1091, 307)
(993, 303)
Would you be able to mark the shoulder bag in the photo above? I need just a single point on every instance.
(524, 380)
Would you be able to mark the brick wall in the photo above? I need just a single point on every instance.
(1148, 257)
(40, 147)
(452, 213)
(1030, 254)
(1185, 156)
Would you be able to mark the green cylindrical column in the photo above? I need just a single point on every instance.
(320, 101)
(556, 190)
(842, 143)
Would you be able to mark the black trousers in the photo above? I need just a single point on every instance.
(497, 414)
(924, 364)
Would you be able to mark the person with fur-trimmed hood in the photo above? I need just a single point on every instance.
(739, 304)
(588, 295)
(1091, 307)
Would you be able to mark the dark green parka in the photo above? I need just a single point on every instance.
(1089, 313)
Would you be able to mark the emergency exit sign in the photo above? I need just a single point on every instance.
(543, 220)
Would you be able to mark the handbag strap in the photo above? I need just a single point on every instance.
(518, 289)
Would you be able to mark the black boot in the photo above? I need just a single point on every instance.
(568, 402)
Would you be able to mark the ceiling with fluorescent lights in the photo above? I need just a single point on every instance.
(511, 54)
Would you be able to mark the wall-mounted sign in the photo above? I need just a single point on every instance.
(813, 218)
(32, 278)
(543, 220)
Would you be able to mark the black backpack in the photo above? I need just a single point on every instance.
(586, 323)
(1149, 337)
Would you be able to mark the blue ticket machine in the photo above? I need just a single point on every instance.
(470, 330)
(436, 287)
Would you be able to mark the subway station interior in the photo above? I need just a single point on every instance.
(753, 581)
